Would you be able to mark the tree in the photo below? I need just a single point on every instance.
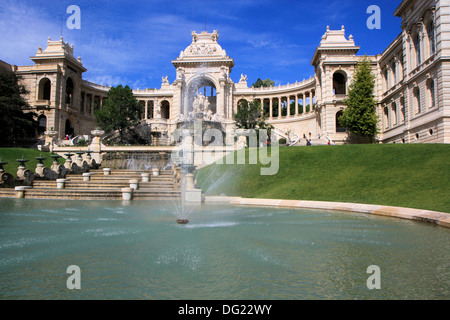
(249, 116)
(16, 119)
(120, 111)
(360, 116)
(263, 83)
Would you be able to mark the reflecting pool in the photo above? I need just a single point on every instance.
(136, 250)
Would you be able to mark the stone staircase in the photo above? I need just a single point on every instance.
(103, 187)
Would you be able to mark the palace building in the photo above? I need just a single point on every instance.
(412, 83)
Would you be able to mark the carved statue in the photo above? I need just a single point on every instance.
(243, 78)
(165, 80)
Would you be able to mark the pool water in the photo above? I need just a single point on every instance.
(136, 250)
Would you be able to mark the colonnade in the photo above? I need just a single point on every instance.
(307, 98)
(91, 102)
(155, 109)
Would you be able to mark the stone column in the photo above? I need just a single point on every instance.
(288, 106)
(279, 107)
(304, 103)
(271, 108)
(146, 110)
(220, 99)
(310, 101)
(296, 104)
(96, 145)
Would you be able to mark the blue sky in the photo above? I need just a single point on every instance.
(133, 42)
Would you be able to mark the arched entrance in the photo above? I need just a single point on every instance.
(68, 130)
(165, 109)
(69, 92)
(42, 124)
(339, 128)
(205, 87)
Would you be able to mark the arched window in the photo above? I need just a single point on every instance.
(69, 92)
(431, 95)
(402, 109)
(417, 48)
(386, 117)
(416, 93)
(394, 73)
(339, 83)
(431, 38)
(45, 88)
(339, 128)
(394, 113)
(386, 78)
(165, 109)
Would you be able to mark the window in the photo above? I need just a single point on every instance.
(394, 113)
(339, 83)
(417, 49)
(386, 117)
(394, 72)
(402, 110)
(386, 78)
(416, 93)
(45, 88)
(431, 95)
(431, 38)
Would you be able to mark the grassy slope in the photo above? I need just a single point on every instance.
(415, 176)
(11, 154)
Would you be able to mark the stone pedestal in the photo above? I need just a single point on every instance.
(145, 177)
(96, 145)
(87, 176)
(20, 191)
(106, 171)
(50, 139)
(61, 183)
(127, 194)
(190, 181)
(193, 196)
(134, 184)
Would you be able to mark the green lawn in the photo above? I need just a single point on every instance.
(415, 176)
(11, 154)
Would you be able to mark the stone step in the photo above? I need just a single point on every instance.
(92, 194)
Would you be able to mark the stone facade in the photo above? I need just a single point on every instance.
(411, 86)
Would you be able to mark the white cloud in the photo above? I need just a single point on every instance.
(23, 29)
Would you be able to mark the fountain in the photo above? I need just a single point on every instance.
(6, 179)
(224, 252)
(24, 175)
(68, 164)
(2, 163)
(41, 171)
